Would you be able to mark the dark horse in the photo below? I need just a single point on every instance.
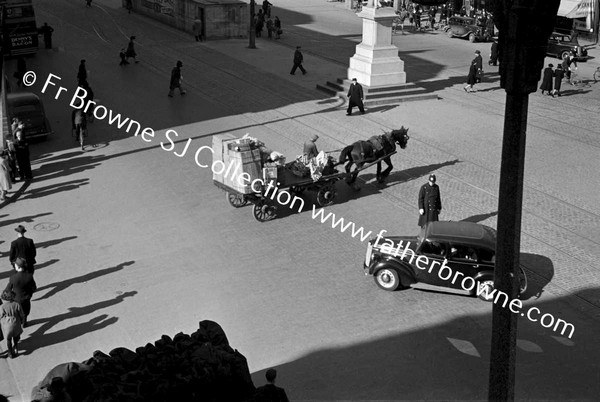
(362, 152)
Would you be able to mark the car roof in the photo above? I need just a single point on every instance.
(468, 233)
(22, 97)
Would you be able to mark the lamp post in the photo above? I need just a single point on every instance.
(252, 33)
(524, 28)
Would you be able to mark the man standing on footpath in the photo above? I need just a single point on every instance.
(355, 98)
(47, 30)
(430, 202)
(298, 58)
(176, 79)
(23, 248)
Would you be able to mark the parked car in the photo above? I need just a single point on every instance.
(28, 108)
(561, 45)
(466, 249)
(466, 27)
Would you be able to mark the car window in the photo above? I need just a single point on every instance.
(25, 109)
(433, 248)
(486, 255)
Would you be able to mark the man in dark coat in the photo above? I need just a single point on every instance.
(23, 248)
(269, 392)
(478, 60)
(176, 79)
(23, 284)
(22, 156)
(559, 73)
(471, 78)
(298, 58)
(82, 74)
(47, 30)
(494, 54)
(547, 79)
(355, 98)
(130, 52)
(430, 202)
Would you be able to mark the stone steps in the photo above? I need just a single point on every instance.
(379, 95)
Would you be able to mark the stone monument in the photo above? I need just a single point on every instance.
(376, 62)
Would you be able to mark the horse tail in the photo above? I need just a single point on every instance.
(346, 154)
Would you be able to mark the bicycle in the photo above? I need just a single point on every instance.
(577, 81)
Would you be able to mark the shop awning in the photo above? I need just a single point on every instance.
(582, 10)
(566, 6)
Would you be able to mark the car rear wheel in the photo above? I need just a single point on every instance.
(472, 38)
(387, 279)
(486, 287)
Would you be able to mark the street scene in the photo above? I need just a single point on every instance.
(135, 237)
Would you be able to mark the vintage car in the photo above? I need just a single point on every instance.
(466, 27)
(28, 108)
(561, 45)
(455, 255)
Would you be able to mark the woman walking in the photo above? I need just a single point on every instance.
(471, 77)
(12, 318)
(5, 180)
(130, 52)
(547, 79)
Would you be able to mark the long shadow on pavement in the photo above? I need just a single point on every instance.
(62, 285)
(40, 338)
(449, 360)
(8, 273)
(55, 188)
(24, 219)
(404, 176)
(54, 242)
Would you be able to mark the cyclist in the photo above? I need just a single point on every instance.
(79, 123)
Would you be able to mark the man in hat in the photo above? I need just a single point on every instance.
(547, 76)
(430, 202)
(23, 284)
(270, 392)
(23, 248)
(478, 61)
(176, 79)
(310, 148)
(355, 98)
(46, 30)
(130, 52)
(82, 73)
(298, 58)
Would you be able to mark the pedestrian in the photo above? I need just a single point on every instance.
(417, 17)
(23, 284)
(197, 28)
(559, 73)
(89, 96)
(22, 156)
(23, 248)
(176, 79)
(355, 97)
(11, 155)
(123, 57)
(130, 52)
(260, 21)
(12, 319)
(270, 28)
(403, 17)
(88, 3)
(430, 202)
(494, 54)
(572, 63)
(471, 78)
(310, 148)
(277, 24)
(129, 6)
(5, 180)
(565, 66)
(21, 70)
(46, 30)
(269, 392)
(478, 60)
(82, 73)
(547, 75)
(298, 58)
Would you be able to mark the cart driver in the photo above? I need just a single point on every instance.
(310, 148)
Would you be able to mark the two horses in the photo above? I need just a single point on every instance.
(362, 152)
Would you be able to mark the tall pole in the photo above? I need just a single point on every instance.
(252, 33)
(524, 27)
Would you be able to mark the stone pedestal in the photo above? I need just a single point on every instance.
(376, 62)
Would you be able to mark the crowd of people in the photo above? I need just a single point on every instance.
(15, 303)
(263, 19)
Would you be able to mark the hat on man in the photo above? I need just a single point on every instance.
(297, 47)
(432, 178)
(20, 229)
(179, 63)
(477, 51)
(314, 137)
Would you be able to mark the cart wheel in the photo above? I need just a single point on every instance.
(296, 190)
(264, 211)
(236, 200)
(326, 195)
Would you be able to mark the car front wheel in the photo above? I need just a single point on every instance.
(486, 290)
(387, 279)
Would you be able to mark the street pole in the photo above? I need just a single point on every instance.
(524, 28)
(252, 33)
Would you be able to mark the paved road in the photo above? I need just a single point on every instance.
(136, 242)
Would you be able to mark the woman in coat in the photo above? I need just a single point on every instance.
(559, 73)
(5, 180)
(547, 79)
(11, 322)
(471, 78)
(23, 285)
